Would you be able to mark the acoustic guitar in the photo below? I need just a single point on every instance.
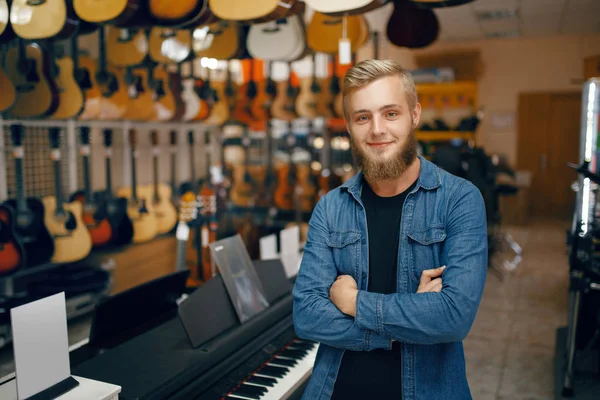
(283, 196)
(411, 26)
(283, 106)
(243, 104)
(12, 251)
(181, 14)
(116, 207)
(324, 32)
(70, 95)
(141, 105)
(72, 240)
(163, 101)
(219, 110)
(330, 88)
(115, 99)
(116, 12)
(283, 40)
(145, 226)
(188, 215)
(29, 211)
(84, 69)
(191, 97)
(126, 47)
(43, 19)
(6, 31)
(266, 92)
(94, 216)
(9, 93)
(163, 209)
(176, 89)
(221, 40)
(439, 3)
(29, 70)
(242, 10)
(307, 100)
(167, 45)
(344, 7)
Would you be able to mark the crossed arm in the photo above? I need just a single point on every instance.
(422, 318)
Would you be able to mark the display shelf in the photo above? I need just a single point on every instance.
(431, 136)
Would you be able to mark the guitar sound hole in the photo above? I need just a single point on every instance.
(35, 2)
(336, 21)
(271, 30)
(24, 220)
(71, 222)
(31, 74)
(83, 78)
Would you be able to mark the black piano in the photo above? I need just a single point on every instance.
(202, 351)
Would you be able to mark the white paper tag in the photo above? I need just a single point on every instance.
(18, 152)
(108, 152)
(85, 150)
(268, 247)
(183, 231)
(289, 239)
(344, 52)
(55, 154)
(204, 236)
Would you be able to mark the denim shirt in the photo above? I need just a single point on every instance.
(443, 223)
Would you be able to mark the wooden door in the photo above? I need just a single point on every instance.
(548, 138)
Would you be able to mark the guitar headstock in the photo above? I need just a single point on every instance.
(16, 135)
(188, 208)
(54, 134)
(84, 135)
(154, 138)
(107, 137)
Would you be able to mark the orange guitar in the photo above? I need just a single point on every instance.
(12, 253)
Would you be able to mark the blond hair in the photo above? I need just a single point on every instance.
(368, 71)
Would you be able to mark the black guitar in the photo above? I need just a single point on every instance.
(115, 207)
(29, 211)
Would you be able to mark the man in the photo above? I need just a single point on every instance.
(395, 260)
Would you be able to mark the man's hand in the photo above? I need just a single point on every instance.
(428, 283)
(343, 294)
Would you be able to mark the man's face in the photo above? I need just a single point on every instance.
(381, 126)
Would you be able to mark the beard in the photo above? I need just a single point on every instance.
(380, 168)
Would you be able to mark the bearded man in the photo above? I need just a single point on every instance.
(396, 258)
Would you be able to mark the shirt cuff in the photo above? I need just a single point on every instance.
(369, 310)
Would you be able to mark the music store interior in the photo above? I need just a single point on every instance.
(153, 152)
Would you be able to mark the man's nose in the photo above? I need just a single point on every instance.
(378, 125)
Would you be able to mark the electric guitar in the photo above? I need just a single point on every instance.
(72, 240)
(163, 209)
(94, 216)
(12, 251)
(29, 211)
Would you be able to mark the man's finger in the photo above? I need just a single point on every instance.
(433, 284)
(432, 273)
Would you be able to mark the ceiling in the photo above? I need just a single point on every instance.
(509, 18)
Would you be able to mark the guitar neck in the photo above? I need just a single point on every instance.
(74, 53)
(101, 50)
(21, 200)
(155, 172)
(57, 185)
(133, 175)
(108, 175)
(173, 168)
(87, 186)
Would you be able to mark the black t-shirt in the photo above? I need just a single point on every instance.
(370, 374)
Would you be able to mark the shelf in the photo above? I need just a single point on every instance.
(444, 135)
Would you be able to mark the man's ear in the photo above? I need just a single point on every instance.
(416, 115)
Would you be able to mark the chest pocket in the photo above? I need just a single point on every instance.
(426, 250)
(345, 247)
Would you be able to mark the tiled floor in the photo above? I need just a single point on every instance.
(510, 348)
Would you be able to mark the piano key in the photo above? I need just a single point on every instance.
(295, 354)
(283, 362)
(261, 380)
(271, 371)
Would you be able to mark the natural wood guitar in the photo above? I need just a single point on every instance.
(221, 40)
(141, 103)
(183, 13)
(167, 45)
(43, 19)
(35, 97)
(72, 240)
(70, 95)
(114, 100)
(242, 10)
(8, 94)
(344, 7)
(126, 47)
(116, 12)
(324, 32)
(163, 209)
(307, 100)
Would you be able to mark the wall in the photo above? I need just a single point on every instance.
(513, 66)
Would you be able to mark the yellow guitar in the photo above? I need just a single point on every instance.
(70, 96)
(9, 94)
(72, 240)
(126, 47)
(145, 226)
(163, 209)
(141, 105)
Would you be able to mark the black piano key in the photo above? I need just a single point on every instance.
(301, 346)
(283, 361)
(272, 371)
(295, 354)
(261, 380)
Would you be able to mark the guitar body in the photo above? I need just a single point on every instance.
(163, 209)
(283, 105)
(219, 112)
(48, 19)
(69, 244)
(30, 228)
(141, 105)
(70, 96)
(324, 32)
(278, 41)
(96, 221)
(9, 94)
(307, 100)
(341, 7)
(192, 101)
(176, 88)
(115, 11)
(125, 50)
(439, 3)
(325, 99)
(242, 10)
(34, 98)
(182, 13)
(114, 100)
(307, 190)
(243, 193)
(222, 41)
(411, 26)
(166, 45)
(165, 106)
(121, 225)
(261, 105)
(92, 95)
(145, 224)
(12, 252)
(283, 196)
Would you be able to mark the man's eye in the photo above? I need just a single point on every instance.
(362, 118)
(392, 114)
